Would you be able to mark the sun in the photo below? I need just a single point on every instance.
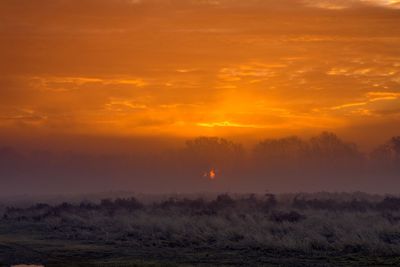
(211, 174)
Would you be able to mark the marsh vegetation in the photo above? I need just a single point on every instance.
(293, 229)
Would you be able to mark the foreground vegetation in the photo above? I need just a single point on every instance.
(300, 230)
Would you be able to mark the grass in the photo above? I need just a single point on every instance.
(226, 231)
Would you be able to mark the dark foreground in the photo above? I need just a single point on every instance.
(303, 230)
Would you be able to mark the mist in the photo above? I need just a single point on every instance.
(324, 162)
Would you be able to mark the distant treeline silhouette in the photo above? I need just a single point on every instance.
(323, 162)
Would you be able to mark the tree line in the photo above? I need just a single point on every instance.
(322, 162)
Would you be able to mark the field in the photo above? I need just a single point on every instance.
(225, 230)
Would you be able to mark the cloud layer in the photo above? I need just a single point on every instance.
(188, 68)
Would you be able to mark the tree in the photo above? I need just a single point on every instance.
(396, 146)
(388, 152)
(277, 150)
(328, 146)
(205, 153)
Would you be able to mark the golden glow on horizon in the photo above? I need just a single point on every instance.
(212, 68)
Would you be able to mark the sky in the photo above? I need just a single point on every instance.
(186, 68)
(100, 95)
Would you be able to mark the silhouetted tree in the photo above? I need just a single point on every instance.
(328, 146)
(281, 149)
(204, 153)
(388, 153)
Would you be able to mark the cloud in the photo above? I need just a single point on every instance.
(349, 105)
(109, 66)
(346, 4)
(230, 124)
(383, 105)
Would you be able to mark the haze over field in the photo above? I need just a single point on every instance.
(103, 94)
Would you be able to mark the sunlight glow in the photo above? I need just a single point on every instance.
(221, 69)
(211, 174)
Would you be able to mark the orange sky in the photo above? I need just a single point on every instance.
(200, 67)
